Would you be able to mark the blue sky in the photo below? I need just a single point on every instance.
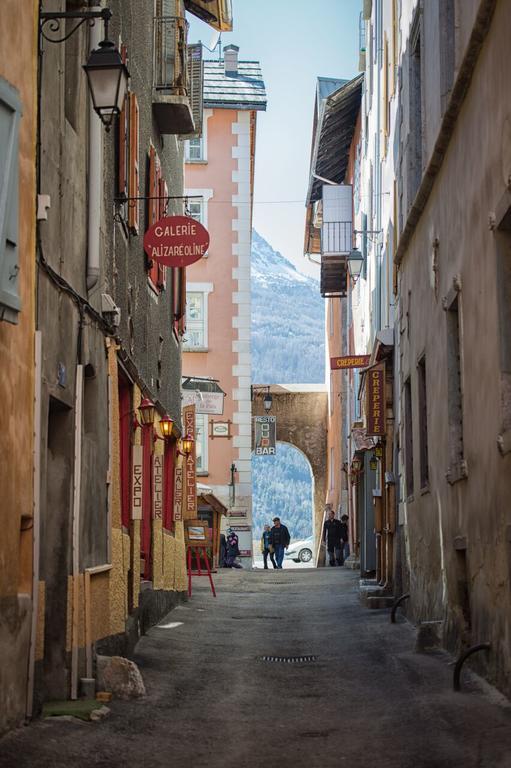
(296, 41)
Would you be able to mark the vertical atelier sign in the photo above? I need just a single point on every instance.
(157, 486)
(178, 493)
(190, 487)
(375, 403)
(137, 483)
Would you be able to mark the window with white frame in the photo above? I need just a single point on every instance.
(196, 336)
(196, 210)
(195, 150)
(201, 442)
(195, 320)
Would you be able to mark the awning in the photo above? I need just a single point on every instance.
(334, 137)
(216, 13)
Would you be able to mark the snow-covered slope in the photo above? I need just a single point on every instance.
(287, 320)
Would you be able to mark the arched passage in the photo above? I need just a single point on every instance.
(301, 412)
(283, 485)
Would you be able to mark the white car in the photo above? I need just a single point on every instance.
(301, 551)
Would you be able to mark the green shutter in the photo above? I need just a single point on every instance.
(10, 113)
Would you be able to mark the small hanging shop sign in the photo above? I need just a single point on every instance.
(178, 494)
(176, 241)
(190, 483)
(265, 435)
(157, 486)
(375, 401)
(349, 361)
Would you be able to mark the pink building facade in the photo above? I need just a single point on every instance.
(219, 179)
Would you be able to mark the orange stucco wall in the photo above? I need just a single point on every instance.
(18, 32)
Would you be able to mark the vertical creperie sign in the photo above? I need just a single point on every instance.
(375, 401)
(265, 435)
(190, 484)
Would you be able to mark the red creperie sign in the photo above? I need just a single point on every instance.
(176, 241)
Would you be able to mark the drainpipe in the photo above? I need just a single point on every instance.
(36, 522)
(95, 177)
(77, 487)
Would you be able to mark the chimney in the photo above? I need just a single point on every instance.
(231, 60)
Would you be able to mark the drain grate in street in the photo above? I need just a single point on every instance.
(288, 659)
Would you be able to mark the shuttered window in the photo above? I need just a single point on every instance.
(162, 208)
(153, 208)
(134, 168)
(10, 113)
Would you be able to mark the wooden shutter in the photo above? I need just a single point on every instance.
(134, 168)
(153, 191)
(10, 113)
(123, 151)
(195, 88)
(163, 193)
(182, 301)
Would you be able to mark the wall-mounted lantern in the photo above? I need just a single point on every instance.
(146, 410)
(107, 75)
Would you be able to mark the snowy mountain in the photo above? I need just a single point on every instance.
(287, 320)
(287, 348)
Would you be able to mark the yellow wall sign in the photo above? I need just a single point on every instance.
(349, 361)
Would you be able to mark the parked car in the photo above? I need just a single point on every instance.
(301, 551)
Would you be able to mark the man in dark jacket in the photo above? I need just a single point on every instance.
(333, 533)
(279, 540)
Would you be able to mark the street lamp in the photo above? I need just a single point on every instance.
(187, 444)
(268, 400)
(107, 75)
(355, 264)
(146, 410)
(166, 424)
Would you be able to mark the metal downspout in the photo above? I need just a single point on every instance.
(95, 178)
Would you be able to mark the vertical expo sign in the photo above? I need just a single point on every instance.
(265, 435)
(375, 403)
(190, 486)
(137, 482)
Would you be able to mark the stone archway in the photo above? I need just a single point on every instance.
(302, 419)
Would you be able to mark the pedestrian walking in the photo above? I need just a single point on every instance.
(345, 537)
(333, 531)
(279, 540)
(233, 550)
(267, 548)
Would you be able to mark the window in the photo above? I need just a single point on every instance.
(197, 316)
(134, 167)
(408, 439)
(447, 49)
(503, 244)
(415, 109)
(157, 192)
(457, 468)
(195, 210)
(423, 422)
(10, 113)
(201, 442)
(194, 150)
(195, 321)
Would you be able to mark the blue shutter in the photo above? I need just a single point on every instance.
(10, 113)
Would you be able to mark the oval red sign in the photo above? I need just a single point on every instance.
(176, 241)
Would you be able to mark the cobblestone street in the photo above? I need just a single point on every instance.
(213, 702)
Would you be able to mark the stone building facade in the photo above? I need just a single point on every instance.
(454, 294)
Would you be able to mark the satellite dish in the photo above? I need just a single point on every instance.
(214, 40)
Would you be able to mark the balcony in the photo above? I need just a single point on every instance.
(171, 78)
(333, 276)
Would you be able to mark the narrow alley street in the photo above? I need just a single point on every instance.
(368, 698)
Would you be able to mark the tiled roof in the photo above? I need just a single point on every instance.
(245, 90)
